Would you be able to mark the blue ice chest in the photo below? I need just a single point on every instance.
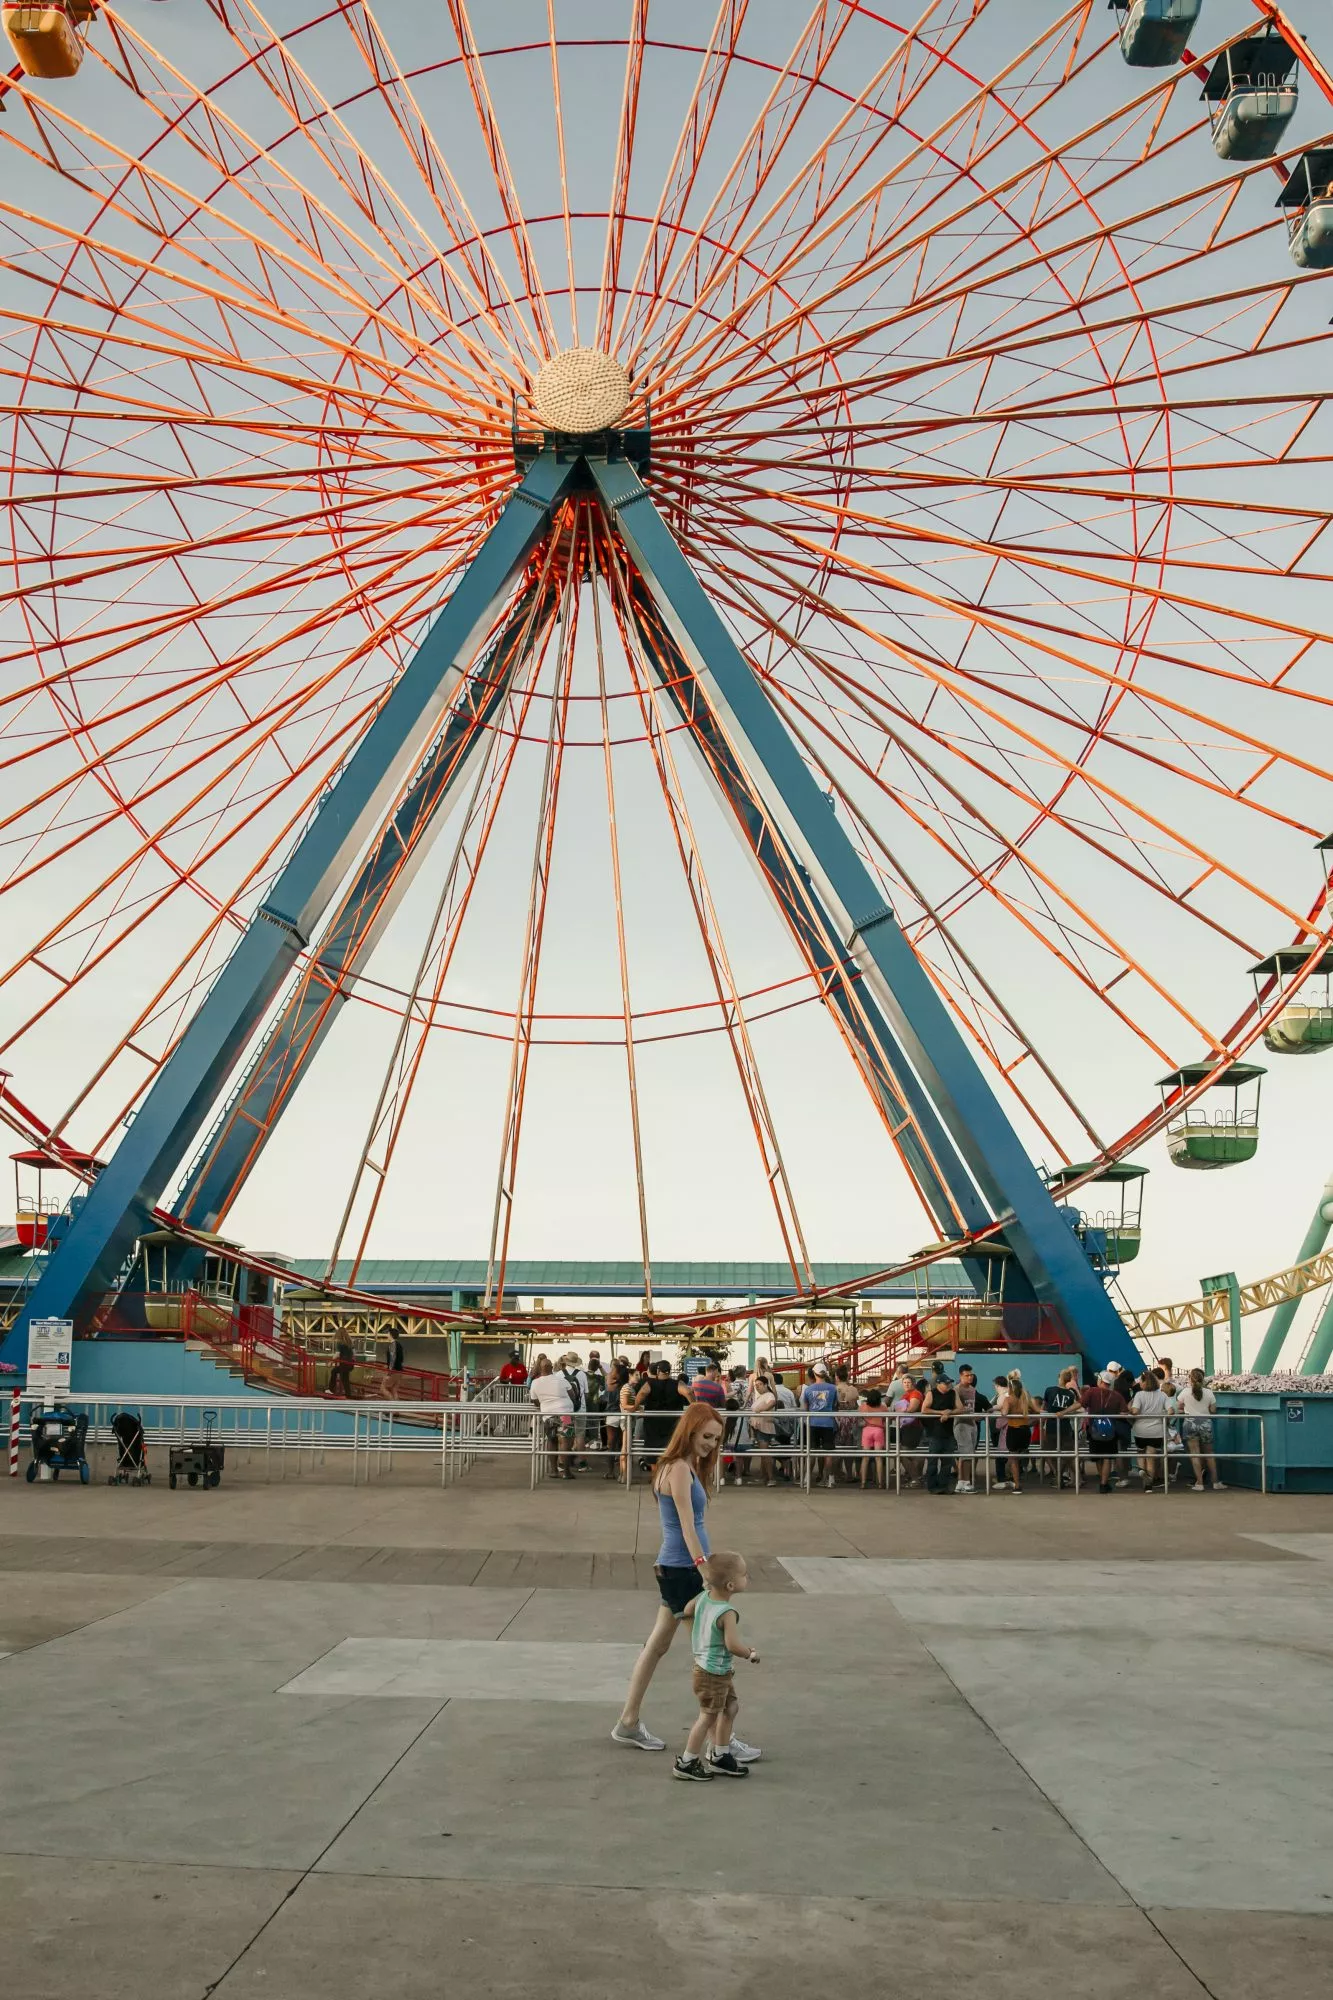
(1298, 1439)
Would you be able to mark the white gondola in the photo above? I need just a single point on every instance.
(1154, 33)
(1305, 1025)
(1308, 200)
(1251, 97)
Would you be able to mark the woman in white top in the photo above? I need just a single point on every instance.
(1150, 1408)
(550, 1392)
(1198, 1406)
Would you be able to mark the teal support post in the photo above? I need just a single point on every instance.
(751, 1339)
(1321, 1345)
(456, 1339)
(1227, 1282)
(1270, 1347)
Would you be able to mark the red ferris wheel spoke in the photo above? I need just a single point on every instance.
(618, 205)
(935, 671)
(507, 193)
(682, 175)
(803, 718)
(202, 122)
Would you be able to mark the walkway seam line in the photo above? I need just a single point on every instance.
(306, 1873)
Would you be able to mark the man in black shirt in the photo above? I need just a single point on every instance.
(662, 1403)
(937, 1416)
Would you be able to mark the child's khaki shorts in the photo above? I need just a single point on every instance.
(714, 1692)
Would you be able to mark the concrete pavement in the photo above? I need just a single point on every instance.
(997, 1753)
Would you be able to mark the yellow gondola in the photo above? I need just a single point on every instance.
(46, 39)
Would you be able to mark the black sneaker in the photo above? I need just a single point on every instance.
(726, 1766)
(693, 1771)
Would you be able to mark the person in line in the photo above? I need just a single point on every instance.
(910, 1437)
(1150, 1408)
(707, 1386)
(594, 1400)
(1168, 1375)
(340, 1374)
(1103, 1412)
(715, 1642)
(874, 1471)
(999, 1429)
(763, 1429)
(937, 1415)
(1198, 1406)
(1058, 1436)
(682, 1482)
(965, 1426)
(514, 1370)
(786, 1428)
(576, 1378)
(631, 1425)
(394, 1357)
(820, 1398)
(1019, 1410)
(615, 1418)
(660, 1401)
(849, 1424)
(549, 1389)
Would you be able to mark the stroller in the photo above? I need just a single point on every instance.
(131, 1458)
(59, 1440)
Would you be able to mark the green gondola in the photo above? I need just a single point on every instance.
(1204, 1140)
(1110, 1229)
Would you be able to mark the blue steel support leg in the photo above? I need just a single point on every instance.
(92, 1251)
(932, 1158)
(1059, 1272)
(236, 1143)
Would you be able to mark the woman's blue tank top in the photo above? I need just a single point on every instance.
(674, 1553)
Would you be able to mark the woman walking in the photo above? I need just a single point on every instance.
(682, 1479)
(1018, 1409)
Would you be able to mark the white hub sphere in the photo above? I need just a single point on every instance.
(581, 389)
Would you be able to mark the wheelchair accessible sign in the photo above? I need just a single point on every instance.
(50, 1345)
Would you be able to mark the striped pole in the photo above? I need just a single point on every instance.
(14, 1403)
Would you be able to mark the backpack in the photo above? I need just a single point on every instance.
(596, 1392)
(572, 1384)
(1101, 1429)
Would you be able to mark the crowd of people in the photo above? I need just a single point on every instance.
(941, 1431)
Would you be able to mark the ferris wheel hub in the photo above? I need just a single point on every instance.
(581, 390)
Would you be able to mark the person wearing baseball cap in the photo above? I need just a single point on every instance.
(820, 1398)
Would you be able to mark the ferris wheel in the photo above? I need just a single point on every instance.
(470, 475)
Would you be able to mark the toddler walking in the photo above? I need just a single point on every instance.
(715, 1641)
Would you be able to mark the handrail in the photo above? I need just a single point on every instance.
(248, 1339)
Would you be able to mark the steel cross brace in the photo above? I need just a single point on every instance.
(89, 1256)
(233, 1148)
(1059, 1273)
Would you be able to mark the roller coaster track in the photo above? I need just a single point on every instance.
(1190, 1315)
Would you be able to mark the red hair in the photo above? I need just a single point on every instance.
(683, 1443)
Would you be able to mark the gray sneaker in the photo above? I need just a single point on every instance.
(636, 1736)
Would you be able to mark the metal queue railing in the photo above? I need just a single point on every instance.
(298, 1433)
